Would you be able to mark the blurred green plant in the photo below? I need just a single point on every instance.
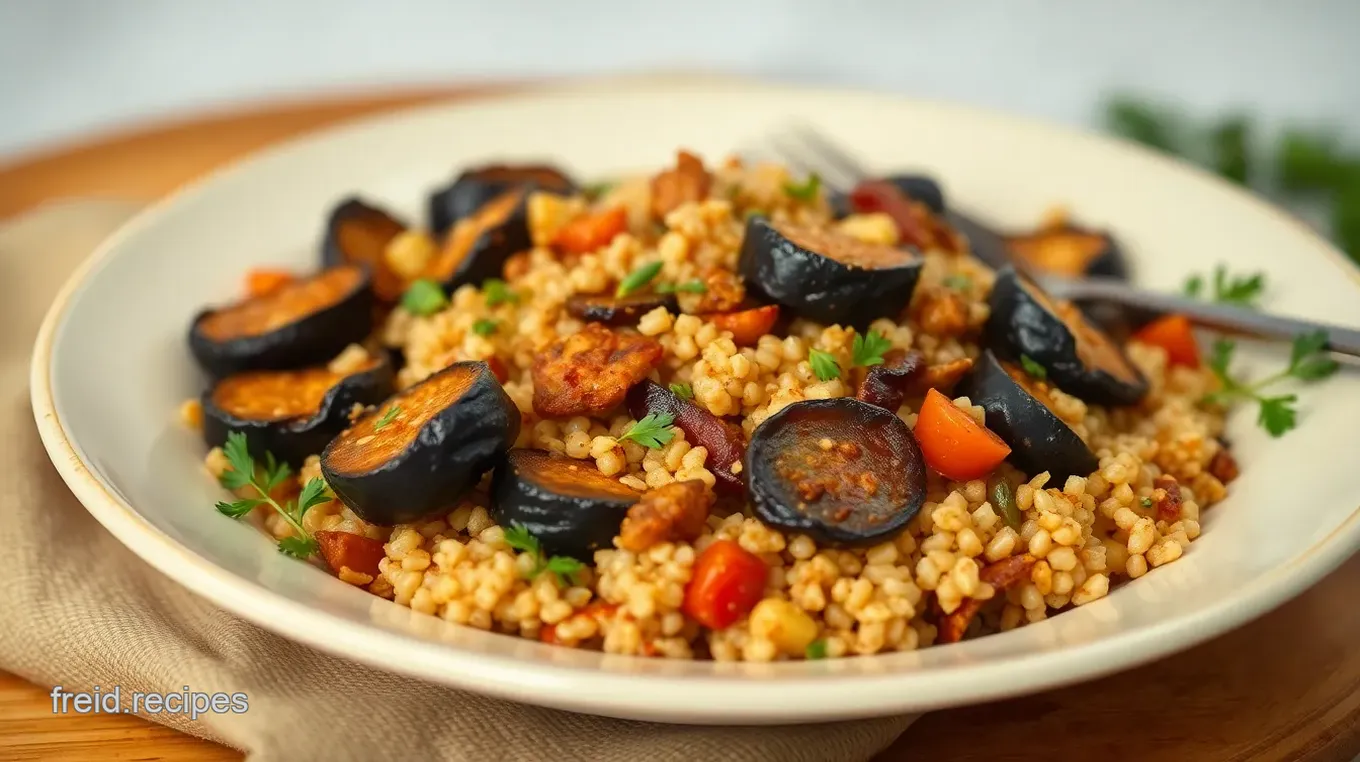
(1305, 163)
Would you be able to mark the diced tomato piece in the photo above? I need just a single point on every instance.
(346, 549)
(264, 281)
(953, 443)
(747, 326)
(589, 232)
(1173, 334)
(728, 582)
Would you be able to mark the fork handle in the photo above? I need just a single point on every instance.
(1220, 317)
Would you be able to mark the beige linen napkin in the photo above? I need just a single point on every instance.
(80, 610)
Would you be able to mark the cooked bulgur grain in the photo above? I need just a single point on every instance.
(1076, 537)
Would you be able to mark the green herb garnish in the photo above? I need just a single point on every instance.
(243, 474)
(1308, 361)
(653, 431)
(564, 568)
(484, 327)
(868, 349)
(1032, 368)
(498, 293)
(958, 282)
(596, 190)
(684, 391)
(424, 297)
(806, 190)
(387, 418)
(1147, 502)
(1242, 290)
(1229, 142)
(815, 650)
(823, 364)
(1004, 502)
(695, 286)
(638, 278)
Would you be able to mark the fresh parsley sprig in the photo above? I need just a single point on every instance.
(1308, 361)
(653, 431)
(497, 293)
(387, 418)
(484, 327)
(424, 297)
(958, 282)
(806, 190)
(868, 349)
(1032, 368)
(683, 391)
(638, 278)
(1243, 290)
(824, 365)
(565, 568)
(695, 286)
(243, 474)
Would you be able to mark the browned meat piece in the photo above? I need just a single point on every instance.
(886, 385)
(941, 312)
(589, 372)
(1224, 466)
(1167, 495)
(687, 182)
(723, 292)
(671, 513)
(943, 376)
(1000, 575)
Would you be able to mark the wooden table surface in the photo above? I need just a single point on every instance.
(1286, 687)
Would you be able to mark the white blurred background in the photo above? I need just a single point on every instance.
(72, 67)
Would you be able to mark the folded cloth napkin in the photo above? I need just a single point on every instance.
(80, 610)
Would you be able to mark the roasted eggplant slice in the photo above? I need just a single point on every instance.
(840, 470)
(306, 322)
(1067, 250)
(922, 188)
(290, 413)
(619, 310)
(475, 187)
(418, 453)
(477, 247)
(357, 233)
(724, 441)
(1038, 438)
(1076, 355)
(572, 508)
(827, 276)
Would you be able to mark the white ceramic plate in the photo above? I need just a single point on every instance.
(110, 369)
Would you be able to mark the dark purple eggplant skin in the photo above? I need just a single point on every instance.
(725, 442)
(1039, 440)
(293, 439)
(886, 384)
(621, 310)
(573, 523)
(922, 188)
(386, 285)
(776, 501)
(820, 288)
(312, 340)
(1019, 325)
(442, 464)
(478, 185)
(493, 247)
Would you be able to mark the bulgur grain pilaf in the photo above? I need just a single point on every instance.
(963, 565)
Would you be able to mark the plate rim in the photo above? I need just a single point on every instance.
(715, 698)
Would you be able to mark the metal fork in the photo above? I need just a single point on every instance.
(806, 150)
